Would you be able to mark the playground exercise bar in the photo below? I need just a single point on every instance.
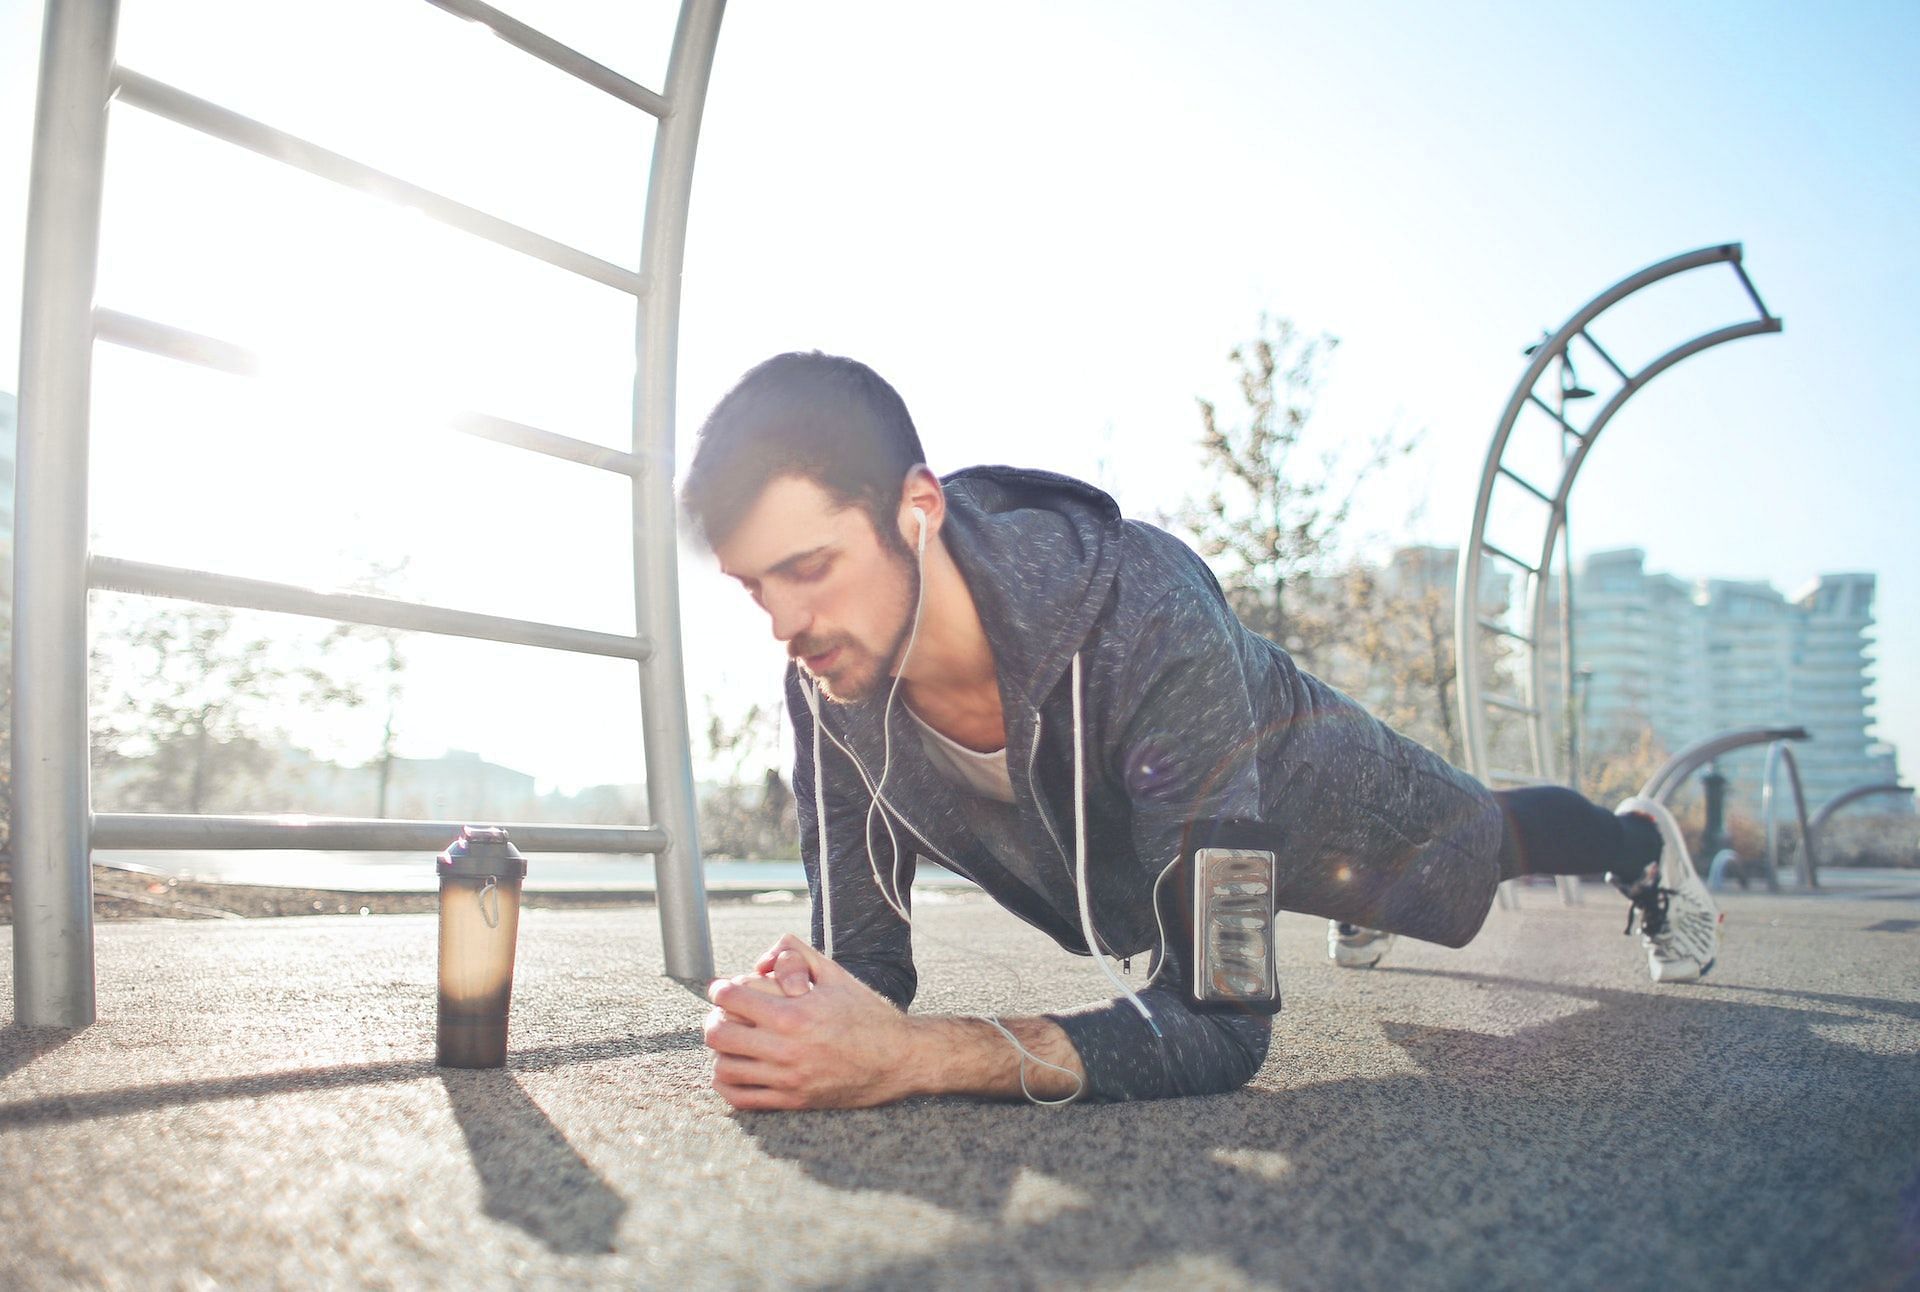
(1808, 865)
(169, 342)
(1673, 773)
(1598, 349)
(52, 882)
(113, 574)
(222, 123)
(349, 834)
(552, 52)
(53, 821)
(685, 937)
(1853, 795)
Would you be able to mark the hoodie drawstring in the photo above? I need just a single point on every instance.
(1080, 854)
(820, 820)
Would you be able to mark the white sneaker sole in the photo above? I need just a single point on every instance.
(1677, 970)
(1676, 872)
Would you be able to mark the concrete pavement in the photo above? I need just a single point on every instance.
(258, 1107)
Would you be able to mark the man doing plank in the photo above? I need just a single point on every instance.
(997, 671)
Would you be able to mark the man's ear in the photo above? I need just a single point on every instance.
(921, 494)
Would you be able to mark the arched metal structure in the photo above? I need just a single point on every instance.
(1777, 753)
(1666, 782)
(55, 828)
(1858, 792)
(1534, 563)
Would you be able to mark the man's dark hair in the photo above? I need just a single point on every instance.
(820, 417)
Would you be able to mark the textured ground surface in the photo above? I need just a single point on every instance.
(258, 1107)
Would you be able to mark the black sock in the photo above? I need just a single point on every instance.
(1641, 845)
(1551, 830)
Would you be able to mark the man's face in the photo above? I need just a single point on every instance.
(840, 600)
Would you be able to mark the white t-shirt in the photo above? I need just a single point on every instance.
(975, 772)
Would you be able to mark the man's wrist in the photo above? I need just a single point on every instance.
(964, 1055)
(923, 1070)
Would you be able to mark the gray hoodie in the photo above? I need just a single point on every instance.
(1187, 716)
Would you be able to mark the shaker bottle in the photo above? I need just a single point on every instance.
(480, 877)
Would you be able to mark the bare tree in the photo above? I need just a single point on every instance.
(747, 815)
(186, 701)
(1399, 639)
(383, 677)
(1272, 518)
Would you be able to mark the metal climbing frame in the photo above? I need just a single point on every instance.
(54, 827)
(1535, 563)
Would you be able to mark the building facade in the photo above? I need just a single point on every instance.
(1689, 659)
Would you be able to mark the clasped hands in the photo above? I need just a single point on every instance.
(801, 1032)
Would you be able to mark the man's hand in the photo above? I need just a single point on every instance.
(785, 962)
(802, 1032)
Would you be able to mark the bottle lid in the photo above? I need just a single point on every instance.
(482, 850)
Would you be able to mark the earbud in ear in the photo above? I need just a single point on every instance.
(920, 517)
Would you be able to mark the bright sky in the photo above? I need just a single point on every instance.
(1046, 224)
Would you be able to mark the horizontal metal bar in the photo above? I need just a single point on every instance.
(170, 342)
(485, 426)
(1495, 626)
(1753, 293)
(552, 52)
(1526, 484)
(1521, 778)
(1601, 351)
(350, 834)
(1505, 555)
(1544, 407)
(244, 132)
(1508, 702)
(113, 574)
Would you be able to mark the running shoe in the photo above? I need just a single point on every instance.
(1352, 947)
(1679, 924)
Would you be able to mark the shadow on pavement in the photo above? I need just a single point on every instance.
(1875, 1004)
(137, 1099)
(20, 1046)
(530, 1176)
(1641, 1140)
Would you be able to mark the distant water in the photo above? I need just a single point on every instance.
(390, 872)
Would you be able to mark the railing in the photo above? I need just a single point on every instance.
(54, 826)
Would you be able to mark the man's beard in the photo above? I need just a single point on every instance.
(852, 689)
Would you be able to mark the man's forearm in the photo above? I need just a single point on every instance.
(957, 1055)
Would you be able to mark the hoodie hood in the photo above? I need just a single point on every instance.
(1039, 552)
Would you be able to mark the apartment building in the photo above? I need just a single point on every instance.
(1689, 659)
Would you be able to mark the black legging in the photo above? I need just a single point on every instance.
(1551, 830)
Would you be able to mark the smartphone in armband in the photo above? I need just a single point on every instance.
(1233, 919)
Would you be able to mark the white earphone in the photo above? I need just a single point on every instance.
(920, 517)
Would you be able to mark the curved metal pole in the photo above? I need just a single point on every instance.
(1858, 792)
(1633, 385)
(1466, 612)
(1780, 752)
(686, 941)
(53, 983)
(1663, 784)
